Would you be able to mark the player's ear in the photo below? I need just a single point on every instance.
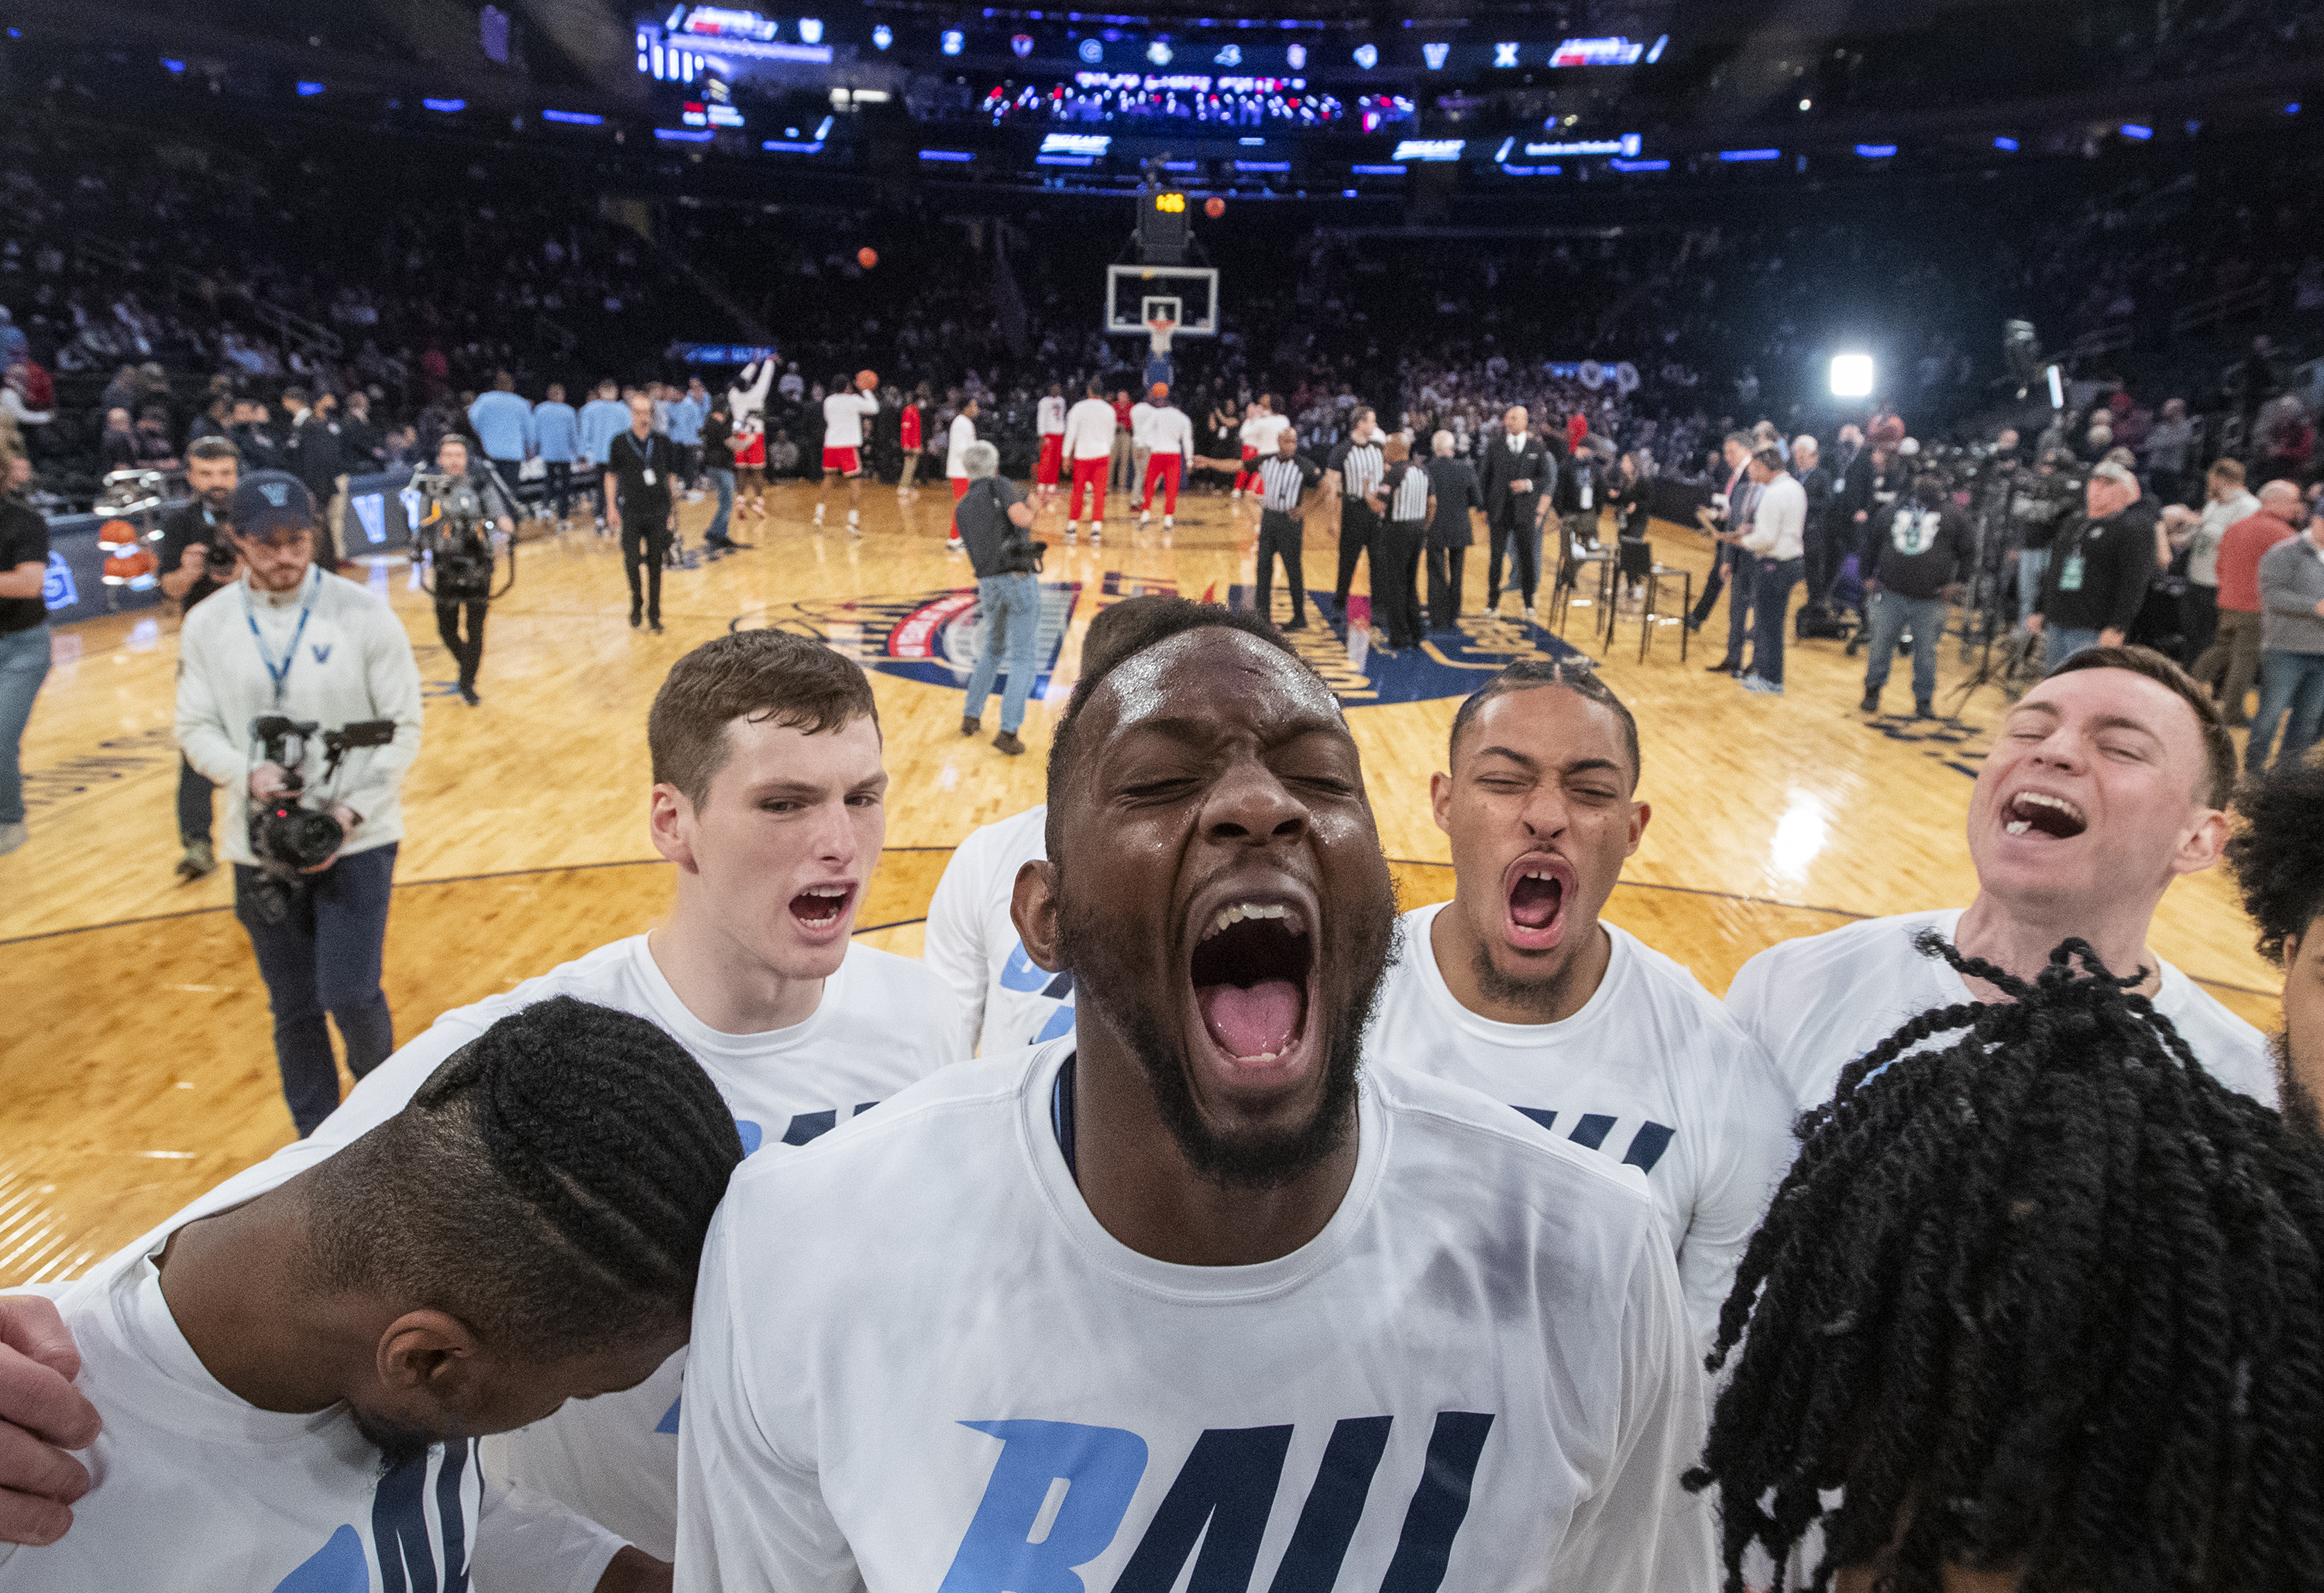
(1033, 907)
(428, 1353)
(670, 819)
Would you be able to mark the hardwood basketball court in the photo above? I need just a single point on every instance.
(139, 1069)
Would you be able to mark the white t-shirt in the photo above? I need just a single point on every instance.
(197, 1489)
(1051, 413)
(1170, 432)
(1651, 1072)
(884, 1021)
(1269, 430)
(972, 941)
(1141, 424)
(1089, 430)
(962, 433)
(1250, 431)
(842, 419)
(1481, 1356)
(1819, 1002)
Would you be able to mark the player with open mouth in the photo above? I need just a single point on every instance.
(1518, 988)
(2105, 783)
(1108, 1260)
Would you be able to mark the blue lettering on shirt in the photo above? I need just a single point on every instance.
(1215, 1512)
(1590, 1131)
(339, 1566)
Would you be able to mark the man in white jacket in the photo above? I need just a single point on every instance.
(1090, 426)
(1170, 454)
(293, 642)
(1778, 534)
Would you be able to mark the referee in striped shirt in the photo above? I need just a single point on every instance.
(1284, 478)
(1359, 464)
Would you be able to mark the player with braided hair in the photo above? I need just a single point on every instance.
(291, 1386)
(2046, 1304)
(2277, 854)
(770, 800)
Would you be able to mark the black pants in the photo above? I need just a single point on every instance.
(469, 654)
(194, 788)
(1359, 530)
(1516, 535)
(644, 551)
(318, 947)
(1444, 587)
(1714, 582)
(1821, 553)
(1740, 599)
(1395, 571)
(558, 489)
(1280, 535)
(2199, 618)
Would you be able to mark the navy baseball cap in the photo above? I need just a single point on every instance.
(269, 502)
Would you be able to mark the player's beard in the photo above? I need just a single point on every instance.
(1359, 942)
(397, 1444)
(2302, 1113)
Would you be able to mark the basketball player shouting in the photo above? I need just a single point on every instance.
(770, 798)
(1190, 1259)
(290, 1383)
(2105, 783)
(844, 414)
(1516, 986)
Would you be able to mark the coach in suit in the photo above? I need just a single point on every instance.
(1519, 479)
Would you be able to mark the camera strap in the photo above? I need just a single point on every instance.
(280, 675)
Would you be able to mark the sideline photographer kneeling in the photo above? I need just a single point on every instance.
(469, 514)
(312, 833)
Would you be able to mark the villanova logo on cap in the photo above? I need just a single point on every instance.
(275, 492)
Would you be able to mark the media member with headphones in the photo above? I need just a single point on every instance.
(469, 517)
(296, 693)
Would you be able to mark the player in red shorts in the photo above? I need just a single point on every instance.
(1171, 436)
(844, 414)
(1050, 468)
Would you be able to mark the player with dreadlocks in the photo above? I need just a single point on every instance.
(2277, 853)
(2045, 1304)
(291, 1385)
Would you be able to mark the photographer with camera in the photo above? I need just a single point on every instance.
(994, 518)
(196, 561)
(297, 691)
(468, 511)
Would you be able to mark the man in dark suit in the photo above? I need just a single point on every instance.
(1518, 480)
(1452, 487)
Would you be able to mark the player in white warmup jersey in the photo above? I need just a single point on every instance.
(844, 411)
(1007, 999)
(2106, 782)
(291, 1385)
(770, 798)
(1190, 1289)
(1516, 988)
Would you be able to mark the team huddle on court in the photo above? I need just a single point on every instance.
(1188, 1215)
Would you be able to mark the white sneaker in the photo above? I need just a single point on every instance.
(1143, 516)
(818, 514)
(1166, 523)
(1097, 532)
(694, 496)
(12, 836)
(1234, 495)
(954, 545)
(1072, 532)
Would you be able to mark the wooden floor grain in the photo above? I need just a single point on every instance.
(136, 1068)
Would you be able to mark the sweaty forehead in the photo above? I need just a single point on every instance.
(2097, 697)
(1214, 674)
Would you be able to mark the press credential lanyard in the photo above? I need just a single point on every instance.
(282, 676)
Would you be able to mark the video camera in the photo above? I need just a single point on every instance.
(287, 835)
(459, 539)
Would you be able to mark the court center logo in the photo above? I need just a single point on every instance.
(934, 637)
(931, 637)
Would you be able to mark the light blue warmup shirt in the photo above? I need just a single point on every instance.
(503, 423)
(556, 432)
(602, 420)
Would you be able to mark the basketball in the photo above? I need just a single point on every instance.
(867, 257)
(1214, 206)
(867, 379)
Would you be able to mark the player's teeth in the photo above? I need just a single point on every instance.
(2019, 826)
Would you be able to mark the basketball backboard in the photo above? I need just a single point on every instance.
(1186, 294)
